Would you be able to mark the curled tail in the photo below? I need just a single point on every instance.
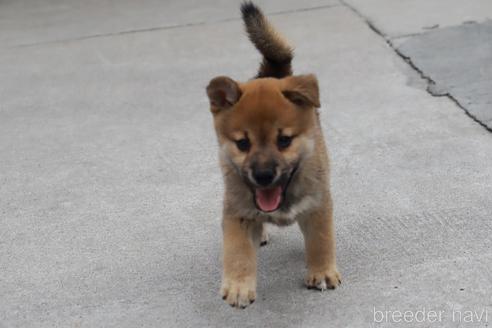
(277, 53)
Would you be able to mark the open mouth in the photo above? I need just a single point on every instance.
(270, 199)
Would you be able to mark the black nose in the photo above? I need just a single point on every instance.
(264, 177)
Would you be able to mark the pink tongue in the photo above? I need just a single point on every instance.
(268, 199)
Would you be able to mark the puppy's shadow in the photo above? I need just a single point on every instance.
(281, 265)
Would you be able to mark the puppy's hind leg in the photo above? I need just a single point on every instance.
(264, 235)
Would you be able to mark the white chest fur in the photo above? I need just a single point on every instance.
(295, 211)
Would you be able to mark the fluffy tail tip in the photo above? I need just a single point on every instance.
(249, 9)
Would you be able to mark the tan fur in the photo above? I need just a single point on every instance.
(239, 280)
(261, 110)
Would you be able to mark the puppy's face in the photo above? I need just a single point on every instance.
(265, 129)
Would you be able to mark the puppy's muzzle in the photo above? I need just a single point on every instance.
(264, 177)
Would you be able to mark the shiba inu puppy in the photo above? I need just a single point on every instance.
(274, 162)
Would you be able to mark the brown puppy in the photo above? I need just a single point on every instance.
(275, 165)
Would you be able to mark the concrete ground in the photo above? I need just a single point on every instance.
(110, 193)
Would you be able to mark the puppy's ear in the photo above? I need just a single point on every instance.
(302, 90)
(223, 93)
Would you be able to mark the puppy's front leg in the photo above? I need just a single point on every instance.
(319, 240)
(239, 276)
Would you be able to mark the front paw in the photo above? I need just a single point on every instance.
(238, 293)
(323, 279)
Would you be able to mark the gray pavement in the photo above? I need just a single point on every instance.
(444, 55)
(110, 190)
(403, 18)
(449, 42)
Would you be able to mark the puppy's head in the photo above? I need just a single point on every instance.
(265, 129)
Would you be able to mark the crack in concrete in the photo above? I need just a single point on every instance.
(168, 27)
(430, 89)
(435, 92)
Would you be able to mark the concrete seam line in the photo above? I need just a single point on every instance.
(430, 82)
(169, 27)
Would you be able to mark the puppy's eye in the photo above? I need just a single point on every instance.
(284, 142)
(243, 144)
